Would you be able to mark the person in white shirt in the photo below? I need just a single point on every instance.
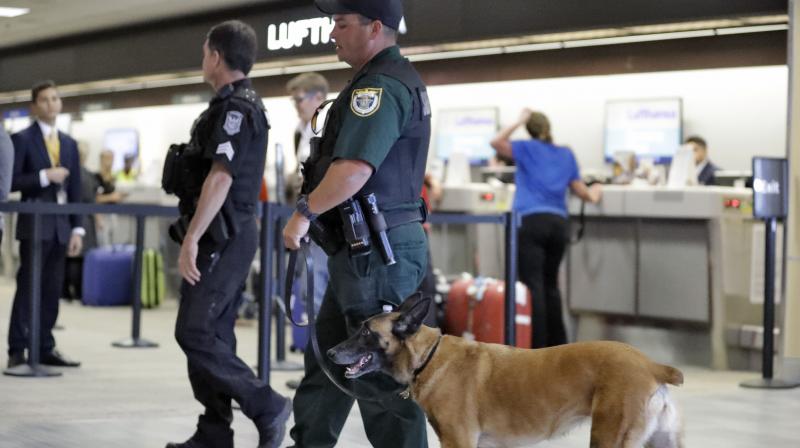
(308, 91)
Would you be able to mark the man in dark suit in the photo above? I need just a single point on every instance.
(46, 169)
(705, 169)
(6, 165)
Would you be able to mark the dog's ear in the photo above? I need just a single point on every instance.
(412, 314)
(410, 301)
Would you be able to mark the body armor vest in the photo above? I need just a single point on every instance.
(399, 178)
(187, 166)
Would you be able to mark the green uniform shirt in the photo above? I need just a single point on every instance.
(374, 117)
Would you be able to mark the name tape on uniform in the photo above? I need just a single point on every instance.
(366, 101)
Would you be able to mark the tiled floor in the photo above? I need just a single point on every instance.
(141, 398)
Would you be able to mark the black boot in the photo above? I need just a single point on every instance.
(272, 431)
(16, 359)
(208, 435)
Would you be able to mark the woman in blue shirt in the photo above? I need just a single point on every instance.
(544, 174)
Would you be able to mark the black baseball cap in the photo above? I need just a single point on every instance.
(389, 12)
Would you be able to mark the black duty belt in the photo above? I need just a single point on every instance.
(395, 218)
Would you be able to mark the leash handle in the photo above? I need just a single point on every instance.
(311, 323)
(291, 270)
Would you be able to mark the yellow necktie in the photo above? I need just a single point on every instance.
(53, 148)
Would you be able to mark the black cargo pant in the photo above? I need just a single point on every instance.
(52, 280)
(358, 288)
(204, 330)
(543, 239)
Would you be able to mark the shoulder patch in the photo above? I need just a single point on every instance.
(226, 149)
(366, 102)
(233, 122)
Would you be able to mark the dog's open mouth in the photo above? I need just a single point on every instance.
(354, 370)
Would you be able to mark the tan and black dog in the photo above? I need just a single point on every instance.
(490, 395)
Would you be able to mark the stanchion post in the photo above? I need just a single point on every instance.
(280, 316)
(135, 340)
(265, 293)
(281, 364)
(768, 354)
(33, 368)
(770, 203)
(511, 279)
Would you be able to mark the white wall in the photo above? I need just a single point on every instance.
(160, 126)
(740, 111)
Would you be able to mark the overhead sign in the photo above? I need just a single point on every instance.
(770, 179)
(299, 33)
(648, 128)
(295, 34)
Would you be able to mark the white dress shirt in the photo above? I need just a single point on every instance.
(47, 130)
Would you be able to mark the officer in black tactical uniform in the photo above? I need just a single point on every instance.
(217, 177)
(375, 142)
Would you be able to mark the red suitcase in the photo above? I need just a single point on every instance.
(475, 309)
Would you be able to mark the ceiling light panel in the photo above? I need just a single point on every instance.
(13, 12)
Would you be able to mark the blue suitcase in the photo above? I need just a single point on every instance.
(108, 276)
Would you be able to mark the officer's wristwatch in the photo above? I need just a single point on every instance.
(302, 208)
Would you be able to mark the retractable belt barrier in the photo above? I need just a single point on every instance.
(37, 209)
(272, 214)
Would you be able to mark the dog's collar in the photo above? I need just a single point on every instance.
(419, 369)
(406, 393)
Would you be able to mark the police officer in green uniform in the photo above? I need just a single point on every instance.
(375, 142)
(218, 182)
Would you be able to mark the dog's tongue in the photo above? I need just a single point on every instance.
(355, 368)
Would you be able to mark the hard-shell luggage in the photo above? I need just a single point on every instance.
(476, 309)
(107, 276)
(152, 278)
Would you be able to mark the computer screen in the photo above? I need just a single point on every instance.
(468, 131)
(650, 128)
(122, 142)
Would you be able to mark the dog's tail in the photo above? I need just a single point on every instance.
(667, 374)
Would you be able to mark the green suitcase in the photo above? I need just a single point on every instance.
(152, 278)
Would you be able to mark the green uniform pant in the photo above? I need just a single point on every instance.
(358, 289)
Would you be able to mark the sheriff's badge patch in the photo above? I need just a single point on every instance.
(366, 101)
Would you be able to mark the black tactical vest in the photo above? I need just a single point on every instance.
(399, 178)
(247, 181)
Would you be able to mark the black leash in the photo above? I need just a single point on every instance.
(581, 225)
(582, 218)
(310, 312)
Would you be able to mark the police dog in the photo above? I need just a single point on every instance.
(490, 395)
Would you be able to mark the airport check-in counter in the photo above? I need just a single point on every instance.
(672, 258)
(656, 265)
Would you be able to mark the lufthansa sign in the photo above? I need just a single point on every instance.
(300, 33)
(288, 35)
